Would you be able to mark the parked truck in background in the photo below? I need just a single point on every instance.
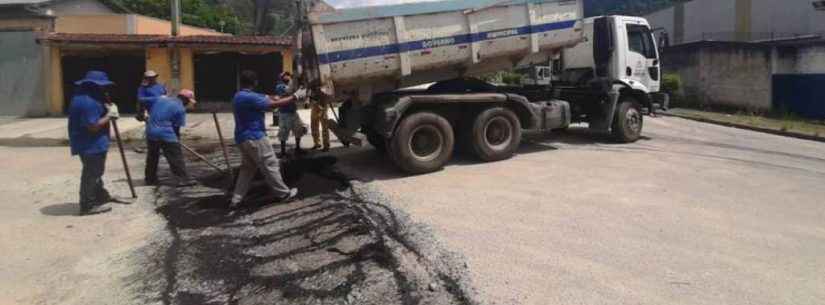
(607, 71)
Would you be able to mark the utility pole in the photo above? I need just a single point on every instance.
(174, 52)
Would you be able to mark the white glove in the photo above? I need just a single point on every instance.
(112, 111)
(300, 94)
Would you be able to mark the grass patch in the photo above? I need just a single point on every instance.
(784, 122)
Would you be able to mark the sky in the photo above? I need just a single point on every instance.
(354, 3)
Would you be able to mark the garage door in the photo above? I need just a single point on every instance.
(802, 94)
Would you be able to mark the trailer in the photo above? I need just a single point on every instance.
(364, 57)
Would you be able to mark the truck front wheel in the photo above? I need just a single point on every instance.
(629, 121)
(496, 134)
(423, 143)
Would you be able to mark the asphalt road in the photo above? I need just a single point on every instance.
(692, 214)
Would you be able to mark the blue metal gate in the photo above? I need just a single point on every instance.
(802, 94)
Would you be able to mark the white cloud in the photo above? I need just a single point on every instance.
(355, 3)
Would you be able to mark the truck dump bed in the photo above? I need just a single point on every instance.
(382, 48)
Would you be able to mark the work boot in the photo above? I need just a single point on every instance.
(100, 209)
(187, 182)
(293, 193)
(120, 200)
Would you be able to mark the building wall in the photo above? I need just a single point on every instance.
(149, 25)
(732, 20)
(159, 60)
(34, 24)
(810, 60)
(79, 7)
(738, 75)
(93, 24)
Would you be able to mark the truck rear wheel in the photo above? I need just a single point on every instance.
(496, 134)
(423, 143)
(629, 121)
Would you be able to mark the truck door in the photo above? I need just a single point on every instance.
(642, 58)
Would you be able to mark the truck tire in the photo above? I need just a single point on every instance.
(628, 122)
(496, 134)
(423, 143)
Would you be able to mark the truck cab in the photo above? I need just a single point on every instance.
(620, 48)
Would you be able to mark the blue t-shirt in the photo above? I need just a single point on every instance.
(148, 94)
(249, 109)
(166, 117)
(85, 111)
(281, 89)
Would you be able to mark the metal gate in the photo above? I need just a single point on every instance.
(802, 94)
(21, 81)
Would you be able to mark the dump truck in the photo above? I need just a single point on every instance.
(405, 75)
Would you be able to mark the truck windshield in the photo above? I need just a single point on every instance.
(640, 40)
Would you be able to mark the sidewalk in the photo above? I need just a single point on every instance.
(787, 127)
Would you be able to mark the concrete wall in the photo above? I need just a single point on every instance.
(79, 7)
(738, 75)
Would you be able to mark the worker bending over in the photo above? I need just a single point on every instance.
(166, 117)
(89, 118)
(250, 109)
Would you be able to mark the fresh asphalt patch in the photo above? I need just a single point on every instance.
(341, 243)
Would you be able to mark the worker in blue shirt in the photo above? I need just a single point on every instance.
(166, 117)
(89, 118)
(250, 109)
(148, 91)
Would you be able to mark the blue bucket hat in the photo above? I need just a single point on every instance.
(96, 77)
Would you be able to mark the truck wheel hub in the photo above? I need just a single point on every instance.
(498, 133)
(426, 143)
(633, 118)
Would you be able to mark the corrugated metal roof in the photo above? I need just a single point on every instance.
(164, 39)
(386, 11)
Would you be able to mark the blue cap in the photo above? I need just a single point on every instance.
(96, 77)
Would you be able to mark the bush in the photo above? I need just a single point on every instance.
(671, 83)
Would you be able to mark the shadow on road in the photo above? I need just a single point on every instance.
(60, 210)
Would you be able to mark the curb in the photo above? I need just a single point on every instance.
(746, 127)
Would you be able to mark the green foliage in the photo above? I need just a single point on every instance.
(671, 83)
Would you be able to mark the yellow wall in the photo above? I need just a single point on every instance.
(96, 24)
(152, 26)
(287, 58)
(159, 60)
(123, 24)
(187, 69)
(55, 82)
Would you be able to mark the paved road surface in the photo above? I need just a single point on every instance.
(693, 214)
